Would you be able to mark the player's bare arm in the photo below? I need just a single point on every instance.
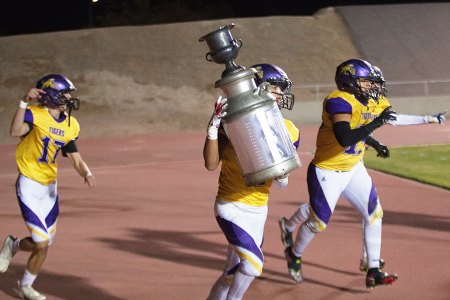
(82, 168)
(18, 126)
(211, 154)
(212, 147)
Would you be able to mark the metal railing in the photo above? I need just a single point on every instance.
(419, 88)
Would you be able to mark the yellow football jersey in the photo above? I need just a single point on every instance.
(36, 152)
(329, 154)
(231, 182)
(378, 107)
(294, 133)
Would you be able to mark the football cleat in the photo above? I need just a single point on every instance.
(375, 278)
(294, 264)
(27, 292)
(364, 267)
(7, 253)
(286, 236)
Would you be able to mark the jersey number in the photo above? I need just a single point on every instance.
(46, 143)
(352, 150)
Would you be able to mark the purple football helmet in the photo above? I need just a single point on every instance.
(55, 86)
(276, 76)
(349, 72)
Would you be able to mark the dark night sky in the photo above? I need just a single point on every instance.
(34, 16)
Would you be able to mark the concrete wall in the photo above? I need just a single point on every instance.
(407, 41)
(155, 79)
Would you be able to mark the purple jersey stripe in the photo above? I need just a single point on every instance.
(373, 200)
(297, 142)
(53, 214)
(239, 237)
(317, 198)
(29, 216)
(338, 106)
(28, 116)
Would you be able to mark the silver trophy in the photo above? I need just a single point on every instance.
(224, 48)
(253, 124)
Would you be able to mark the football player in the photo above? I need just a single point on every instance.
(377, 105)
(337, 169)
(241, 211)
(45, 130)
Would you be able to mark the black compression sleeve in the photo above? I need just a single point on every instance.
(372, 142)
(347, 136)
(69, 148)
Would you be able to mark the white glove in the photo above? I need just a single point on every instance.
(438, 118)
(218, 114)
(282, 181)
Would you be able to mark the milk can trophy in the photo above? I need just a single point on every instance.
(254, 124)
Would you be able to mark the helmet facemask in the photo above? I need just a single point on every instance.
(380, 90)
(287, 101)
(372, 93)
(380, 83)
(287, 98)
(55, 99)
(383, 90)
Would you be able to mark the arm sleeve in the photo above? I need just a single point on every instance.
(342, 131)
(370, 141)
(347, 136)
(403, 120)
(70, 147)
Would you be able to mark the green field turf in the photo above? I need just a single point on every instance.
(427, 164)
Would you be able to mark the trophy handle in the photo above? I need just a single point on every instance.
(239, 42)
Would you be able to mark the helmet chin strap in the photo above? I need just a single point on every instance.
(71, 104)
(70, 112)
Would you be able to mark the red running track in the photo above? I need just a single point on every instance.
(147, 231)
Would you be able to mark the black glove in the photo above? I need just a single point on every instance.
(382, 150)
(385, 116)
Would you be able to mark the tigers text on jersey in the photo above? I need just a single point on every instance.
(329, 154)
(36, 152)
(232, 187)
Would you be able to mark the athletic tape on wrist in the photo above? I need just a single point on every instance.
(213, 131)
(23, 104)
